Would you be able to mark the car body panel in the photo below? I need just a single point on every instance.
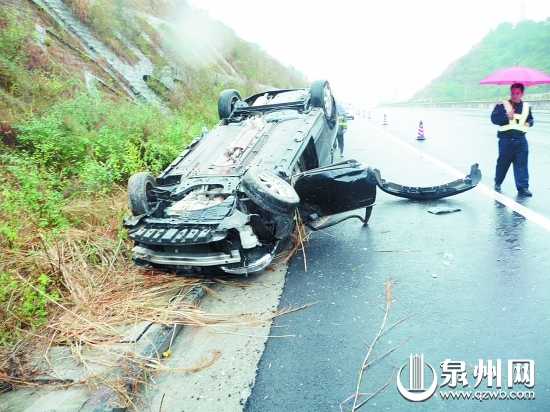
(431, 192)
(334, 189)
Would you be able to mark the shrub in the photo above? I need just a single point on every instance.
(102, 143)
(25, 300)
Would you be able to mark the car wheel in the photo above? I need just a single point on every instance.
(321, 96)
(269, 191)
(226, 102)
(138, 185)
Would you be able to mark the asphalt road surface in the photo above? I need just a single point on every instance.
(470, 288)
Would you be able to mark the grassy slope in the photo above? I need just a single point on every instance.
(66, 154)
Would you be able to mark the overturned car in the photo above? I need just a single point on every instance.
(231, 199)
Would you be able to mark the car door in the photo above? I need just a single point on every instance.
(337, 188)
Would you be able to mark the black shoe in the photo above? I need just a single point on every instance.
(497, 187)
(524, 192)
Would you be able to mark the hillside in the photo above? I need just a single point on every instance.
(90, 93)
(159, 52)
(527, 43)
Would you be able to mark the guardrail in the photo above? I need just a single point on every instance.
(489, 104)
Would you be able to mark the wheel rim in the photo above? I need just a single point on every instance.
(327, 100)
(234, 100)
(279, 187)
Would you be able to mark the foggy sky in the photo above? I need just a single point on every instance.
(369, 51)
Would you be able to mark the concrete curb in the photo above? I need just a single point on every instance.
(104, 399)
(72, 372)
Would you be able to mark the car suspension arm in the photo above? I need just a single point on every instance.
(364, 220)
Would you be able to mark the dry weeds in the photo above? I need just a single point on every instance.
(102, 294)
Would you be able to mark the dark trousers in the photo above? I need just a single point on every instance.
(513, 152)
(339, 142)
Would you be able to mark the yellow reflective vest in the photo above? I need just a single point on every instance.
(518, 122)
(342, 123)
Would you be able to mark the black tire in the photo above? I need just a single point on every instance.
(321, 96)
(226, 102)
(269, 191)
(138, 185)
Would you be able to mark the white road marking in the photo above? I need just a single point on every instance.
(537, 141)
(506, 201)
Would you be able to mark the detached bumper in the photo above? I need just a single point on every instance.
(432, 192)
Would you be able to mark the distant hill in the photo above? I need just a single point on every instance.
(527, 43)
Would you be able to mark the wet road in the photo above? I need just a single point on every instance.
(477, 281)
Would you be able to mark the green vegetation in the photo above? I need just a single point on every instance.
(527, 43)
(75, 151)
(30, 309)
(66, 153)
(29, 80)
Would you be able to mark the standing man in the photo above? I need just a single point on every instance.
(514, 118)
(342, 127)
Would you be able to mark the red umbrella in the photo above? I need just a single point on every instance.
(517, 74)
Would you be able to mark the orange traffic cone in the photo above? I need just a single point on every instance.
(385, 122)
(420, 132)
